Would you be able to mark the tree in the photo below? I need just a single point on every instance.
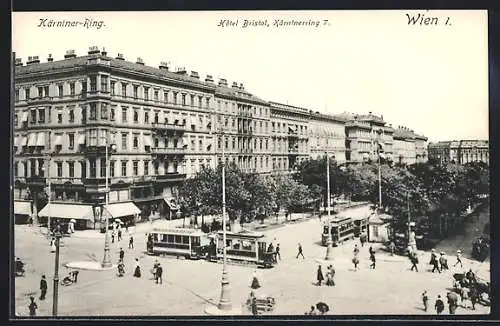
(290, 194)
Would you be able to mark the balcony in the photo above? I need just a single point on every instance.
(170, 177)
(36, 181)
(293, 151)
(293, 134)
(168, 127)
(40, 100)
(95, 150)
(95, 181)
(162, 151)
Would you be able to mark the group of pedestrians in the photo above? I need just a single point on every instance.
(355, 259)
(439, 305)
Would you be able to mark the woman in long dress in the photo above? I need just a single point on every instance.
(137, 272)
(255, 281)
(53, 245)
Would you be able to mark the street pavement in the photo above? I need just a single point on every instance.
(188, 286)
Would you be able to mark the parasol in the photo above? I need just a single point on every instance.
(322, 307)
(72, 220)
(117, 220)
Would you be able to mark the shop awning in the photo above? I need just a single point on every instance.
(81, 139)
(32, 139)
(58, 140)
(122, 209)
(22, 207)
(24, 117)
(24, 141)
(171, 203)
(40, 140)
(148, 141)
(67, 211)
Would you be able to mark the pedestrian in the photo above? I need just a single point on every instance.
(452, 303)
(119, 234)
(425, 300)
(372, 258)
(319, 276)
(155, 266)
(53, 245)
(159, 274)
(434, 261)
(414, 261)
(459, 259)
(137, 271)
(443, 261)
(312, 312)
(439, 305)
(131, 242)
(32, 306)
(355, 261)
(113, 236)
(300, 252)
(278, 251)
(392, 247)
(356, 250)
(122, 254)
(370, 250)
(329, 276)
(74, 274)
(253, 304)
(43, 288)
(126, 227)
(473, 295)
(255, 281)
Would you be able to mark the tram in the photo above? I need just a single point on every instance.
(245, 246)
(341, 228)
(190, 243)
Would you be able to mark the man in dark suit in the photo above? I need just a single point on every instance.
(43, 288)
(159, 274)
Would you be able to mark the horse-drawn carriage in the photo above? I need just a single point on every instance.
(471, 283)
(259, 304)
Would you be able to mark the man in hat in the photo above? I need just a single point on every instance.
(459, 259)
(278, 255)
(43, 288)
(131, 242)
(443, 261)
(159, 273)
(300, 252)
(425, 300)
(122, 254)
(434, 262)
(439, 305)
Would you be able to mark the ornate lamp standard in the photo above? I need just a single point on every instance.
(225, 306)
(106, 261)
(57, 235)
(329, 241)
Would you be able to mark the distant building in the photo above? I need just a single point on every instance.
(460, 151)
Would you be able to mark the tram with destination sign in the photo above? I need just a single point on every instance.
(190, 243)
(245, 246)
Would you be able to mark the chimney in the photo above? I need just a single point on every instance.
(33, 60)
(241, 86)
(194, 74)
(223, 82)
(103, 52)
(163, 65)
(382, 116)
(140, 61)
(120, 57)
(209, 79)
(93, 50)
(181, 71)
(370, 113)
(19, 62)
(70, 54)
(235, 85)
(50, 59)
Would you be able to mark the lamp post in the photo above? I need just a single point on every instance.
(106, 261)
(225, 301)
(49, 159)
(329, 241)
(57, 235)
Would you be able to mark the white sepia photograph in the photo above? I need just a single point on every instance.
(250, 164)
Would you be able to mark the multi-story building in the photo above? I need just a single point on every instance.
(159, 127)
(459, 151)
(327, 134)
(404, 146)
(288, 137)
(364, 133)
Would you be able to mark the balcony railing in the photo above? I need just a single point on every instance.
(172, 176)
(95, 150)
(95, 181)
(40, 99)
(168, 126)
(168, 150)
(293, 150)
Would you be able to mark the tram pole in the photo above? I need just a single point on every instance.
(329, 241)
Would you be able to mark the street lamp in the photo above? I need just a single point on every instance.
(106, 261)
(49, 159)
(329, 241)
(57, 235)
(225, 305)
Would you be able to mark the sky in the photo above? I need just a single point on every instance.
(431, 78)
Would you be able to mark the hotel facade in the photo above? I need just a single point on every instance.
(460, 151)
(158, 127)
